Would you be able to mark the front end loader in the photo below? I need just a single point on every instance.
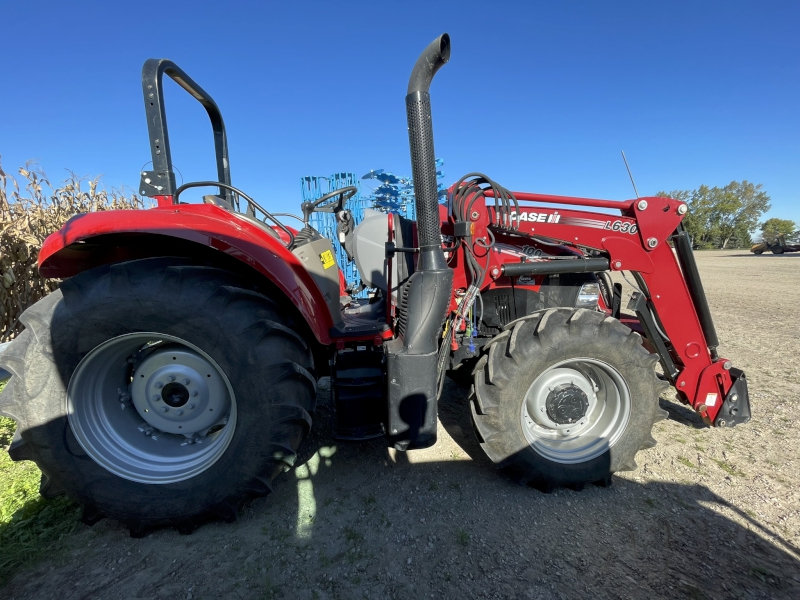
(174, 374)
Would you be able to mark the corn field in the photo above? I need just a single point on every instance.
(27, 216)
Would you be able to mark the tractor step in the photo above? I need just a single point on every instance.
(359, 393)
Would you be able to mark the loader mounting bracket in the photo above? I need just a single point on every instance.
(736, 407)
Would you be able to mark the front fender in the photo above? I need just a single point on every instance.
(66, 252)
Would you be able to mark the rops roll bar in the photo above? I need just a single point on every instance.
(161, 180)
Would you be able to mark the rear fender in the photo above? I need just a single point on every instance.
(134, 234)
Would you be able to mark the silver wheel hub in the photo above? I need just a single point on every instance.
(552, 400)
(151, 408)
(178, 391)
(575, 410)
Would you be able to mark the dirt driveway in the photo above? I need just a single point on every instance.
(710, 513)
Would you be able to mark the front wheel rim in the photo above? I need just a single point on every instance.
(151, 408)
(597, 413)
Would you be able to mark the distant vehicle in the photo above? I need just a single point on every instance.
(779, 246)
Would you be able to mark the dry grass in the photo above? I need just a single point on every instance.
(27, 216)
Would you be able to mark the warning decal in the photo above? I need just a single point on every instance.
(327, 259)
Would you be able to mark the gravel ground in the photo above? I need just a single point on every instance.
(710, 513)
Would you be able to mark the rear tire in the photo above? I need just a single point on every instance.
(103, 440)
(565, 397)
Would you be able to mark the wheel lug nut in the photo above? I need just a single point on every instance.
(165, 409)
(179, 412)
(156, 397)
(192, 405)
(195, 393)
(171, 377)
(186, 381)
(159, 385)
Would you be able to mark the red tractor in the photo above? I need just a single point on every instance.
(174, 373)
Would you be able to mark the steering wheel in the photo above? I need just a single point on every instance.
(325, 205)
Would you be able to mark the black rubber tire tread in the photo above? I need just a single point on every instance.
(269, 365)
(462, 374)
(509, 366)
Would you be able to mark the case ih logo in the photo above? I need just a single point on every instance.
(534, 217)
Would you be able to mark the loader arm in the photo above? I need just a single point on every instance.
(670, 304)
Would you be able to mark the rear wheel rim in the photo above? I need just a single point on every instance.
(151, 408)
(595, 411)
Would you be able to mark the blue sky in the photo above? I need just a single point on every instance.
(541, 96)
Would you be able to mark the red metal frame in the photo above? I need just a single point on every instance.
(203, 224)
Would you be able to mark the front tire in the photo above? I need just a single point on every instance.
(565, 397)
(158, 392)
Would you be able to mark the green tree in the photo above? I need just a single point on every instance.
(721, 216)
(697, 221)
(741, 238)
(771, 228)
(737, 206)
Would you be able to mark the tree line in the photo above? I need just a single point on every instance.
(729, 216)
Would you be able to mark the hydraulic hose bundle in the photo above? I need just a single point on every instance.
(473, 186)
(462, 197)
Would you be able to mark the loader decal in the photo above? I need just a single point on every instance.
(582, 222)
(535, 217)
(622, 226)
(617, 225)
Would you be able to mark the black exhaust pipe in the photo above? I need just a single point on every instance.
(412, 360)
(423, 156)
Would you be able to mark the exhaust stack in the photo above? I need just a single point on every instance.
(412, 363)
(423, 156)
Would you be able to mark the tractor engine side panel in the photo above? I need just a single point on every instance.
(512, 299)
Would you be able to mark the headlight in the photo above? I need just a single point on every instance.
(588, 295)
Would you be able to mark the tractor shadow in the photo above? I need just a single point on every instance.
(363, 521)
(761, 256)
